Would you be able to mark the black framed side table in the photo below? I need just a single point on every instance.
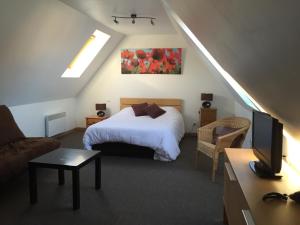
(65, 159)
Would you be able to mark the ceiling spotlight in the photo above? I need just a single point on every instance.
(152, 22)
(116, 21)
(133, 16)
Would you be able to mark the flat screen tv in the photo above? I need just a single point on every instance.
(267, 145)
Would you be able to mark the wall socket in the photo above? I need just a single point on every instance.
(193, 127)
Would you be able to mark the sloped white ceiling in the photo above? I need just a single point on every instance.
(257, 42)
(38, 39)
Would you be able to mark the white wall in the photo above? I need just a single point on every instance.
(108, 85)
(31, 117)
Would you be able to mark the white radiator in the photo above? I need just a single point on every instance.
(55, 124)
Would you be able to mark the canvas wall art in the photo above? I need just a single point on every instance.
(151, 61)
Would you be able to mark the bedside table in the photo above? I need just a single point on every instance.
(207, 115)
(90, 120)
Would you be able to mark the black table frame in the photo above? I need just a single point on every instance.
(32, 166)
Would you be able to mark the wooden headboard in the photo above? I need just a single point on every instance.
(176, 103)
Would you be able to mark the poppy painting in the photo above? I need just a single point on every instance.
(151, 61)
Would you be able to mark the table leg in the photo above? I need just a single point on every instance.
(98, 173)
(61, 177)
(32, 185)
(76, 191)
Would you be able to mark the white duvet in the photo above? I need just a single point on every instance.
(161, 134)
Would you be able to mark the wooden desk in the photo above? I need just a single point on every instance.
(243, 192)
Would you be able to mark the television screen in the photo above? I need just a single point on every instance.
(262, 135)
(267, 143)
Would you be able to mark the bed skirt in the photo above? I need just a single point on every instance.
(124, 149)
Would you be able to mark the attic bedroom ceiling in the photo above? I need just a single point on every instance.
(103, 10)
(257, 42)
(38, 40)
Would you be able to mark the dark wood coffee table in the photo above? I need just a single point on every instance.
(65, 159)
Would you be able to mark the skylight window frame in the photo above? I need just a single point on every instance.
(86, 54)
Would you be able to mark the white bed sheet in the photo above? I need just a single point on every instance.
(161, 134)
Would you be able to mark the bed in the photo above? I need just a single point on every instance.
(162, 134)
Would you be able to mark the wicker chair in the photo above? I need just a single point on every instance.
(234, 139)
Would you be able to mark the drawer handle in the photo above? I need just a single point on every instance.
(230, 172)
(247, 216)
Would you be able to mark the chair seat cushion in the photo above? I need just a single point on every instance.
(238, 141)
(221, 131)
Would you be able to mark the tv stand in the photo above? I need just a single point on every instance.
(262, 171)
(243, 192)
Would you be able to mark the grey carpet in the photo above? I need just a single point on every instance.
(135, 191)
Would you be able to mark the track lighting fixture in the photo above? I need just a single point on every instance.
(133, 17)
(115, 20)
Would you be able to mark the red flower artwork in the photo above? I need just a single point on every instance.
(151, 61)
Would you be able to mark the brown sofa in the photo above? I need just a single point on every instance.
(15, 149)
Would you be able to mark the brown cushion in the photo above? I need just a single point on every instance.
(15, 156)
(237, 142)
(9, 130)
(139, 109)
(154, 111)
(221, 131)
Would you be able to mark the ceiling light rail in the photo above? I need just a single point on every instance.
(133, 18)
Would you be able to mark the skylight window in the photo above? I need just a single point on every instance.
(86, 54)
